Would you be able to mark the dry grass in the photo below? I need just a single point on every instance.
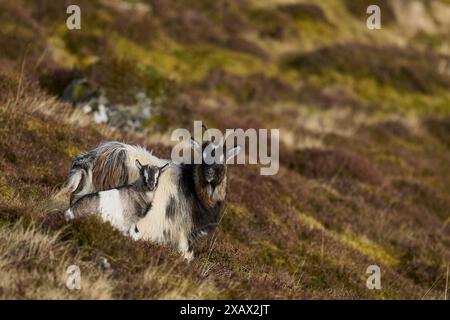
(34, 266)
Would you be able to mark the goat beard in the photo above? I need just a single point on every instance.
(209, 190)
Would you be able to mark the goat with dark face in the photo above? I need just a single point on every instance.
(189, 198)
(204, 186)
(193, 205)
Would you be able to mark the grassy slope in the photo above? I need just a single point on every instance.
(364, 157)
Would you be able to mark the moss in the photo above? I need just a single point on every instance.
(205, 59)
(60, 54)
(313, 34)
(362, 244)
(39, 170)
(36, 125)
(237, 210)
(311, 222)
(6, 192)
(232, 214)
(16, 29)
(72, 151)
(394, 161)
(270, 254)
(375, 252)
(183, 62)
(73, 50)
(83, 44)
(158, 123)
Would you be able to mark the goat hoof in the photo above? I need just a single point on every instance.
(135, 236)
(134, 233)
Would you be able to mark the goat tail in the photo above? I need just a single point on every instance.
(64, 197)
(72, 184)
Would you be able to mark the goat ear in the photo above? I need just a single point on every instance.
(233, 152)
(138, 164)
(196, 146)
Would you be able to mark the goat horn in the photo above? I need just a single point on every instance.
(161, 168)
(205, 128)
(225, 137)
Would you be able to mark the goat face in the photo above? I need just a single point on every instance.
(149, 174)
(212, 171)
(213, 168)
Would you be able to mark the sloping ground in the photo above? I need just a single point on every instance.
(365, 146)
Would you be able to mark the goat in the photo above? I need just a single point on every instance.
(123, 206)
(188, 201)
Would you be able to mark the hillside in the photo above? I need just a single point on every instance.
(364, 119)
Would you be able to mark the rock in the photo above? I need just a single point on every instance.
(101, 116)
(131, 117)
(413, 16)
(78, 91)
(104, 264)
(99, 108)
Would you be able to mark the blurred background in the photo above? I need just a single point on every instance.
(364, 143)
